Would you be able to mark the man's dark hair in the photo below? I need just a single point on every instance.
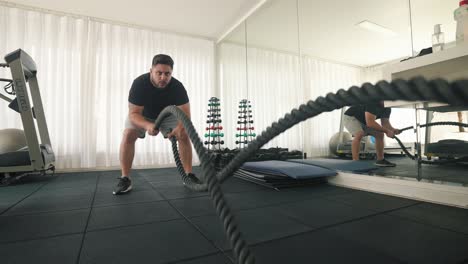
(163, 59)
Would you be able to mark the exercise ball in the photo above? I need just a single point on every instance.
(11, 139)
(335, 140)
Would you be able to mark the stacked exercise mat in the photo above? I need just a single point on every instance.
(279, 174)
(289, 173)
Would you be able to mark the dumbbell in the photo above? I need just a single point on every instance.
(214, 110)
(244, 106)
(214, 104)
(245, 122)
(246, 135)
(245, 116)
(213, 99)
(214, 121)
(245, 142)
(245, 112)
(213, 115)
(214, 128)
(245, 128)
(215, 134)
(214, 142)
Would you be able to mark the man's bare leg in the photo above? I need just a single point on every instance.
(186, 153)
(127, 150)
(379, 145)
(356, 144)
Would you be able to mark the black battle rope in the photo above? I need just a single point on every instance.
(416, 89)
(413, 157)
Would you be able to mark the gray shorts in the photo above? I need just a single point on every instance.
(167, 125)
(354, 126)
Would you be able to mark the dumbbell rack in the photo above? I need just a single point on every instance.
(245, 130)
(213, 133)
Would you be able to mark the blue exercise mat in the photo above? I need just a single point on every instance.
(291, 169)
(358, 166)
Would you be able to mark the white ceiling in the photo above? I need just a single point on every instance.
(204, 18)
(327, 28)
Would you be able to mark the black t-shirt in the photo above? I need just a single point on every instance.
(154, 99)
(358, 111)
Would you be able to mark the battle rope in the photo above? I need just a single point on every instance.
(416, 89)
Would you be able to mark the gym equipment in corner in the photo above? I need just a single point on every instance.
(245, 123)
(213, 133)
(36, 156)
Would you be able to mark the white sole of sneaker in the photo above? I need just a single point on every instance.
(128, 189)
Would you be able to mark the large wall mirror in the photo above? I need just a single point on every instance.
(440, 143)
(342, 47)
(298, 50)
(232, 80)
(273, 68)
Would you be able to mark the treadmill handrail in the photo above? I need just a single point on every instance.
(29, 66)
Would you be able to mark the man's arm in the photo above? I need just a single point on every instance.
(386, 124)
(185, 108)
(177, 130)
(135, 114)
(370, 120)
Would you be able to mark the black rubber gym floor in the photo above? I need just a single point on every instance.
(74, 218)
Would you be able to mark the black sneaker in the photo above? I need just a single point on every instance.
(384, 163)
(124, 186)
(193, 178)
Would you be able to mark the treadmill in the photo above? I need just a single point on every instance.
(38, 157)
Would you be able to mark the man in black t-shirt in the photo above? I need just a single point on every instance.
(149, 95)
(360, 121)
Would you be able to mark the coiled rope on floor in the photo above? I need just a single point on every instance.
(416, 89)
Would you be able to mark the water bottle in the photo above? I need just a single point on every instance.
(461, 16)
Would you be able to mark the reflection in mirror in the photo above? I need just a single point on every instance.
(232, 80)
(273, 69)
(434, 26)
(342, 47)
(425, 15)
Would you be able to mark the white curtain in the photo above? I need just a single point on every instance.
(274, 90)
(233, 87)
(85, 70)
(319, 78)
